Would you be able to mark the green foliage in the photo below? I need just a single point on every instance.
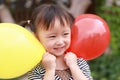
(107, 67)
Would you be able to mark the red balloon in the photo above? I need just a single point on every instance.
(90, 36)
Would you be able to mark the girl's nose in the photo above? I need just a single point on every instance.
(60, 41)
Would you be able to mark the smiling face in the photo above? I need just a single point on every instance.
(55, 40)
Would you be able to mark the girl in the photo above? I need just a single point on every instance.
(52, 27)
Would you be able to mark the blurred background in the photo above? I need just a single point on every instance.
(105, 67)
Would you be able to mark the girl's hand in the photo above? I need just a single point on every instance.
(70, 59)
(49, 61)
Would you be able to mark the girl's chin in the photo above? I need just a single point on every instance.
(58, 54)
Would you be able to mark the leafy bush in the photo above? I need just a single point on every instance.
(106, 67)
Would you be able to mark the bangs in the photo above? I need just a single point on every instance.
(47, 16)
(62, 20)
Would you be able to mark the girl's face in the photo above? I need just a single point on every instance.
(56, 40)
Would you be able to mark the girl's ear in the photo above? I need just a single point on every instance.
(35, 35)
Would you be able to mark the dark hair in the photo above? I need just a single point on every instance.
(44, 15)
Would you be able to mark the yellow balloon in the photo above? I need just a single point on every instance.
(20, 51)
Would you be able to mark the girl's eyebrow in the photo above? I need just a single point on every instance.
(50, 33)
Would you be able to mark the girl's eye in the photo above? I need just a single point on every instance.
(66, 34)
(52, 36)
